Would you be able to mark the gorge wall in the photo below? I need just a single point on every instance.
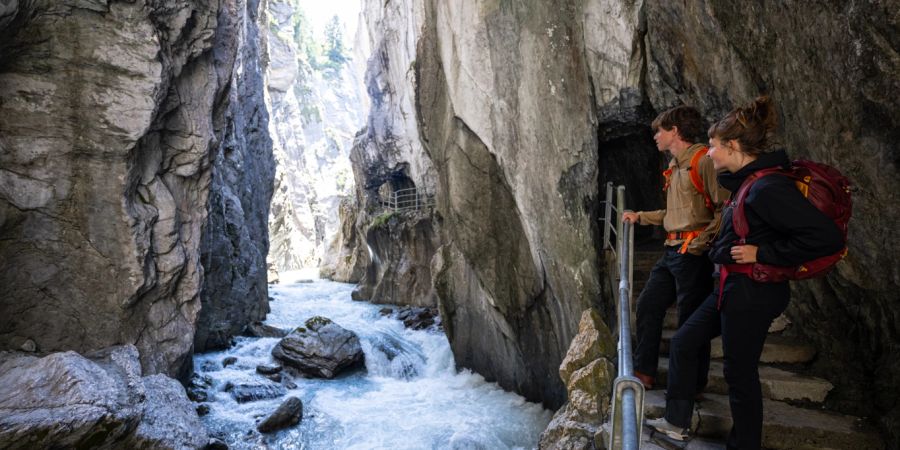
(513, 114)
(130, 133)
(317, 108)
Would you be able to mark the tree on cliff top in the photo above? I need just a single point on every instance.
(334, 51)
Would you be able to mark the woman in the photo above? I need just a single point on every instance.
(785, 230)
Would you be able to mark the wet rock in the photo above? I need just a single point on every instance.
(259, 329)
(320, 349)
(289, 384)
(287, 415)
(268, 369)
(246, 392)
(418, 318)
(29, 346)
(276, 377)
(202, 409)
(386, 311)
(197, 388)
(229, 361)
(216, 444)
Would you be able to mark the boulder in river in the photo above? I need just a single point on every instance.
(268, 369)
(287, 415)
(259, 329)
(246, 392)
(417, 317)
(320, 349)
(98, 400)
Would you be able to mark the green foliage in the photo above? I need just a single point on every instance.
(316, 322)
(303, 38)
(327, 57)
(341, 181)
(382, 219)
(333, 50)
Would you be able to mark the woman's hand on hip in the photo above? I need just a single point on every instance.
(744, 254)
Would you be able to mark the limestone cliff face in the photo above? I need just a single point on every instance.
(522, 111)
(389, 254)
(316, 111)
(489, 108)
(236, 236)
(113, 115)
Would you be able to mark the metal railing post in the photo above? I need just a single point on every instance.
(607, 215)
(620, 208)
(628, 392)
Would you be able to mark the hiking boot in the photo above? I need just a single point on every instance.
(663, 426)
(646, 380)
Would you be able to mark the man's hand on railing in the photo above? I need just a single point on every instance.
(631, 216)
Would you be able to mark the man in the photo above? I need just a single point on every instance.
(683, 275)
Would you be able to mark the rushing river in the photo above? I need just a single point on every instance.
(415, 400)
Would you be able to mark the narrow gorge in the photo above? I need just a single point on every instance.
(167, 166)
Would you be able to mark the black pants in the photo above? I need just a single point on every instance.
(683, 279)
(748, 309)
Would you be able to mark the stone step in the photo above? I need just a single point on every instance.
(776, 384)
(778, 349)
(784, 426)
(655, 441)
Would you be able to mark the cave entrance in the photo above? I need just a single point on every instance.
(630, 158)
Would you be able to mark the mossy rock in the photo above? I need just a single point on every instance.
(314, 323)
(382, 219)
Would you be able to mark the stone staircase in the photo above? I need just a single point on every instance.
(794, 417)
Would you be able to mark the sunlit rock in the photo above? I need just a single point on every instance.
(66, 400)
(588, 372)
(320, 348)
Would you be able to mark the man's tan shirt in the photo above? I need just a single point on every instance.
(685, 207)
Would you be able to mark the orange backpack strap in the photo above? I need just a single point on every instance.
(697, 181)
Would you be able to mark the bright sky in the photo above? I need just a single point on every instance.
(320, 12)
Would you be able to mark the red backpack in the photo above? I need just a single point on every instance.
(827, 189)
(696, 180)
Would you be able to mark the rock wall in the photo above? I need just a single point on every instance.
(316, 112)
(236, 236)
(522, 111)
(399, 273)
(346, 257)
(112, 115)
(487, 107)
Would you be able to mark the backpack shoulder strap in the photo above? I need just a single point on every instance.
(695, 177)
(738, 219)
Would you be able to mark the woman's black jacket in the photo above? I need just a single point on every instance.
(785, 226)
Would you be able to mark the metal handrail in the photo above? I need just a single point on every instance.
(628, 391)
(408, 199)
